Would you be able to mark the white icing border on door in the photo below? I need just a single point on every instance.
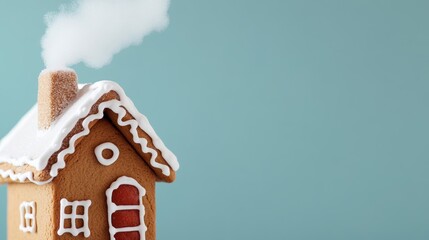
(112, 207)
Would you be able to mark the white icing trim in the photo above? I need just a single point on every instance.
(27, 219)
(21, 177)
(73, 217)
(112, 207)
(115, 106)
(72, 116)
(107, 146)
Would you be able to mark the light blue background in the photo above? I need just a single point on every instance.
(291, 119)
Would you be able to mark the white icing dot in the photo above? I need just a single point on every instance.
(107, 146)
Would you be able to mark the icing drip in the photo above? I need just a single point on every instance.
(115, 106)
(87, 96)
(73, 217)
(107, 146)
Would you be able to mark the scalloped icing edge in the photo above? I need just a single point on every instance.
(117, 107)
(120, 108)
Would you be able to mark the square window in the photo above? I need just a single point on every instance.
(74, 218)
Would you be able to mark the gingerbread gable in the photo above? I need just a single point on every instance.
(30, 154)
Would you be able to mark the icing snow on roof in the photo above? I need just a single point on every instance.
(27, 145)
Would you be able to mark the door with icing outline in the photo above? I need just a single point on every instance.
(126, 210)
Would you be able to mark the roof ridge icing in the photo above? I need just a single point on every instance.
(38, 155)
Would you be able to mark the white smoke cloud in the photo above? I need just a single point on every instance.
(93, 31)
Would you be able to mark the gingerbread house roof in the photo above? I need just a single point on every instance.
(30, 154)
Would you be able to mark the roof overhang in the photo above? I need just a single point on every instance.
(28, 154)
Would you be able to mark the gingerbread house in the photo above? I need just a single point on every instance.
(83, 164)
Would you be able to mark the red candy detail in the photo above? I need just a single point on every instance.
(126, 195)
(126, 218)
(127, 236)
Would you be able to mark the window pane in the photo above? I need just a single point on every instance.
(68, 210)
(79, 223)
(67, 223)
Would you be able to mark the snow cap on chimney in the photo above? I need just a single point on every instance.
(57, 89)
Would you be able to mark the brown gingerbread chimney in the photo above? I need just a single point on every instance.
(57, 88)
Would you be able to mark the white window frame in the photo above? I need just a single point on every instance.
(112, 208)
(28, 220)
(73, 217)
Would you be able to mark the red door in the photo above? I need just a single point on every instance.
(126, 210)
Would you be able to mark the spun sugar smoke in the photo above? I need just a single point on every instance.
(93, 31)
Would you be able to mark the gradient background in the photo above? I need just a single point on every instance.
(291, 119)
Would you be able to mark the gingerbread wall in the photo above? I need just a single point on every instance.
(42, 196)
(84, 178)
